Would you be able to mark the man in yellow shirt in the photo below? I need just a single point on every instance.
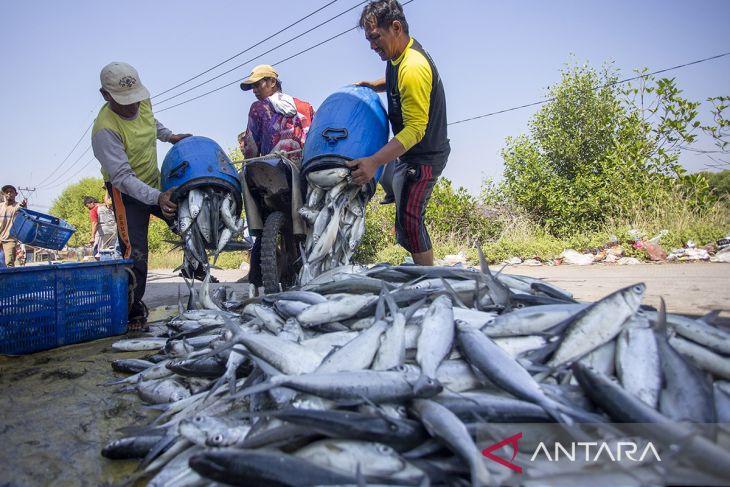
(124, 141)
(417, 113)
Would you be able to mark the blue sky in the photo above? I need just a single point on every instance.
(491, 55)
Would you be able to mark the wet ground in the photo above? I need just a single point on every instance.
(56, 417)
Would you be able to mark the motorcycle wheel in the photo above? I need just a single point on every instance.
(278, 254)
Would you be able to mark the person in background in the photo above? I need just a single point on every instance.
(241, 145)
(276, 122)
(417, 113)
(124, 142)
(92, 204)
(21, 254)
(107, 224)
(8, 210)
(103, 224)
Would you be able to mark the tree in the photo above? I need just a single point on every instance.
(598, 150)
(70, 207)
(719, 182)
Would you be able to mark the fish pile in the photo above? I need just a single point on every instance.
(207, 219)
(383, 375)
(334, 214)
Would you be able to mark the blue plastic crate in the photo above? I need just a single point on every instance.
(47, 306)
(41, 230)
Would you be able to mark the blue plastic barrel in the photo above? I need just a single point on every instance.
(351, 123)
(198, 161)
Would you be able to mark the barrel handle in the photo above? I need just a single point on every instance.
(179, 169)
(333, 135)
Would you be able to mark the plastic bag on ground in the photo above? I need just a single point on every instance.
(571, 256)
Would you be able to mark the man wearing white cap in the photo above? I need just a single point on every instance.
(124, 142)
(276, 122)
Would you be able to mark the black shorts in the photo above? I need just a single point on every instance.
(412, 186)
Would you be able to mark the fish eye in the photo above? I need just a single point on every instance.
(217, 439)
(638, 288)
(198, 419)
(384, 449)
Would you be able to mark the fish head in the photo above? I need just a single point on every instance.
(634, 294)
(227, 437)
(427, 387)
(211, 464)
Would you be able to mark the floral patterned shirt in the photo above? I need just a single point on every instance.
(269, 130)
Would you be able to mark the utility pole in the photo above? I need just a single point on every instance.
(25, 193)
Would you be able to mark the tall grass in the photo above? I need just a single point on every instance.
(173, 259)
(682, 221)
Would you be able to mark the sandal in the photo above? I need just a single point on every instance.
(138, 319)
(138, 326)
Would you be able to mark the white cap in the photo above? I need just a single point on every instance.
(122, 82)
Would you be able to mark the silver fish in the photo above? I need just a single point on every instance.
(160, 391)
(445, 426)
(357, 354)
(708, 360)
(195, 202)
(435, 340)
(335, 309)
(204, 295)
(327, 178)
(597, 324)
(637, 364)
(373, 459)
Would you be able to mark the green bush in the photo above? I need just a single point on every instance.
(70, 206)
(718, 182)
(596, 151)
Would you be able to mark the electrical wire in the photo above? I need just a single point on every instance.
(58, 167)
(296, 37)
(50, 175)
(273, 64)
(241, 79)
(68, 155)
(50, 183)
(70, 178)
(626, 80)
(246, 50)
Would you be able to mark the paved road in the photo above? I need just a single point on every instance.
(687, 288)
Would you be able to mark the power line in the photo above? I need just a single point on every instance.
(257, 57)
(247, 49)
(194, 77)
(68, 155)
(274, 64)
(51, 183)
(73, 175)
(626, 80)
(239, 80)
